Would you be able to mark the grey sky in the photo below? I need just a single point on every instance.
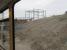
(51, 6)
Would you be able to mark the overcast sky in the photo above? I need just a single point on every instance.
(51, 6)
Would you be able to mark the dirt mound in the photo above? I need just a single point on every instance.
(43, 34)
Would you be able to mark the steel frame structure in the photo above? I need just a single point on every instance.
(35, 12)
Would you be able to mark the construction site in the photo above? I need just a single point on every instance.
(34, 32)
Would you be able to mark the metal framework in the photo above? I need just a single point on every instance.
(4, 4)
(35, 13)
(2, 31)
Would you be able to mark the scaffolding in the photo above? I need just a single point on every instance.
(35, 14)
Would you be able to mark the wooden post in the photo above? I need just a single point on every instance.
(11, 27)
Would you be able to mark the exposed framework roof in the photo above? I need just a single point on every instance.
(4, 4)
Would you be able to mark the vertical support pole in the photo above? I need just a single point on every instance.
(38, 14)
(33, 14)
(29, 15)
(25, 14)
(11, 27)
(45, 13)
